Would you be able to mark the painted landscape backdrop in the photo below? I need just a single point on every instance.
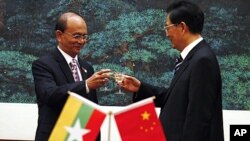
(126, 36)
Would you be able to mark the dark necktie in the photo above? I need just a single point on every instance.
(178, 62)
(73, 67)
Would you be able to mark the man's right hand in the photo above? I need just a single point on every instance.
(98, 79)
(130, 84)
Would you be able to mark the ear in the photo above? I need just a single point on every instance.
(184, 27)
(58, 35)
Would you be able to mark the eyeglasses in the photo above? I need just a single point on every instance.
(167, 27)
(78, 36)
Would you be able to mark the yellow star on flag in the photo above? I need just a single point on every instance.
(145, 115)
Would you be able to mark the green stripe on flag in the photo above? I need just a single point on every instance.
(85, 113)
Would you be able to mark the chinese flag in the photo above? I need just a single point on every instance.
(139, 121)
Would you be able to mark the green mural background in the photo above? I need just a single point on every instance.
(126, 36)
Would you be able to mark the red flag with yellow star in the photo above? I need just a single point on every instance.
(139, 121)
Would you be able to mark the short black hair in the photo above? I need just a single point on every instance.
(188, 12)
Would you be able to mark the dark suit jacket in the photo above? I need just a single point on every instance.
(53, 78)
(191, 108)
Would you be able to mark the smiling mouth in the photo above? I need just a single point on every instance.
(77, 46)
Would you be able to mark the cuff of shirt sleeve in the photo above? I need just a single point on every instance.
(87, 88)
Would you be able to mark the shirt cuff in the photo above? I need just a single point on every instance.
(87, 88)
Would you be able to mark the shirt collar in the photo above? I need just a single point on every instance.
(67, 57)
(187, 49)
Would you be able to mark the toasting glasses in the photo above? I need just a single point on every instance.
(118, 76)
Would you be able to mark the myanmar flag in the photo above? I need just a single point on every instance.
(139, 121)
(80, 120)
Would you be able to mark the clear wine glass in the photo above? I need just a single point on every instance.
(118, 76)
(106, 89)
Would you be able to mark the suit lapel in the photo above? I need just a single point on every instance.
(183, 67)
(84, 71)
(185, 63)
(64, 66)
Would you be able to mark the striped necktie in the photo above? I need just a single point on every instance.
(74, 70)
(178, 62)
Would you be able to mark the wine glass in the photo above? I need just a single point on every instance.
(106, 89)
(118, 76)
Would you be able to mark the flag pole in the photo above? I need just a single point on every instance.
(109, 124)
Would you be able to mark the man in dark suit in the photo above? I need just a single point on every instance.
(191, 108)
(53, 76)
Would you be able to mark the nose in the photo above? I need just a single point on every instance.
(82, 41)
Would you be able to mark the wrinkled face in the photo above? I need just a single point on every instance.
(74, 37)
(173, 33)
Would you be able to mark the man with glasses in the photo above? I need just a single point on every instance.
(63, 70)
(191, 108)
